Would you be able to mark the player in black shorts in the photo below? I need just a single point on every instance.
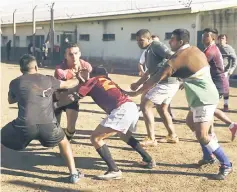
(36, 119)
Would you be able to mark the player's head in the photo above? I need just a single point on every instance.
(179, 38)
(209, 36)
(72, 54)
(143, 37)
(222, 39)
(155, 38)
(28, 64)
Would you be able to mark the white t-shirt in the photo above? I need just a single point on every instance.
(142, 58)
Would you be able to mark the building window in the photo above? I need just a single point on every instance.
(168, 36)
(57, 38)
(133, 36)
(17, 41)
(4, 40)
(108, 37)
(84, 37)
(28, 40)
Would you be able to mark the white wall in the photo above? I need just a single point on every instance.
(123, 47)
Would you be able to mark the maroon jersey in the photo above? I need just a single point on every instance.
(216, 63)
(63, 73)
(104, 92)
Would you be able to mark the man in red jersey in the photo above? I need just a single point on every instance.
(122, 119)
(65, 71)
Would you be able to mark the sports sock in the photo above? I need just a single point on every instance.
(106, 156)
(137, 147)
(226, 100)
(215, 148)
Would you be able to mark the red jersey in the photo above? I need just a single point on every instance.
(63, 73)
(104, 92)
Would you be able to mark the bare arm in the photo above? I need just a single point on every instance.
(69, 84)
(141, 70)
(155, 79)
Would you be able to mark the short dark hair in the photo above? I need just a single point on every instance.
(154, 36)
(208, 30)
(25, 61)
(222, 35)
(182, 34)
(70, 45)
(143, 32)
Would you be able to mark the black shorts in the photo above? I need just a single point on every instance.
(73, 106)
(18, 137)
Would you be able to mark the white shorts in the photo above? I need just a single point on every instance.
(123, 118)
(162, 93)
(203, 113)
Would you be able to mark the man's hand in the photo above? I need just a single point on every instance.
(134, 86)
(130, 93)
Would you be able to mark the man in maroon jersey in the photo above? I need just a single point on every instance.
(68, 70)
(122, 119)
(217, 70)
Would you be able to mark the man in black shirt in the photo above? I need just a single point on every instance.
(36, 119)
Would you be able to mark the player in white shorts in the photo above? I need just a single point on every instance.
(122, 119)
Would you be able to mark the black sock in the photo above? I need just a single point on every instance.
(137, 147)
(106, 156)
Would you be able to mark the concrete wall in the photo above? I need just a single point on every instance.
(123, 52)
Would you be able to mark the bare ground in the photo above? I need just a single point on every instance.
(41, 169)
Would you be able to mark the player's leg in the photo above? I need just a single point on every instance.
(163, 97)
(12, 137)
(202, 117)
(232, 125)
(167, 120)
(148, 115)
(97, 140)
(208, 157)
(72, 115)
(147, 160)
(51, 135)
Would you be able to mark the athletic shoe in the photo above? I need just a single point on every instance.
(207, 161)
(149, 165)
(233, 130)
(74, 178)
(148, 142)
(169, 139)
(226, 108)
(224, 171)
(110, 175)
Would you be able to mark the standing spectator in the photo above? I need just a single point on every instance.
(230, 62)
(9, 47)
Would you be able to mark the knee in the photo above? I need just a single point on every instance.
(145, 106)
(94, 139)
(203, 139)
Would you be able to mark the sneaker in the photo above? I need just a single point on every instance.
(68, 134)
(74, 178)
(226, 108)
(224, 171)
(149, 165)
(148, 143)
(233, 130)
(110, 175)
(169, 139)
(207, 161)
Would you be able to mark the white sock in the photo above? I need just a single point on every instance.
(226, 101)
(212, 145)
(231, 125)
